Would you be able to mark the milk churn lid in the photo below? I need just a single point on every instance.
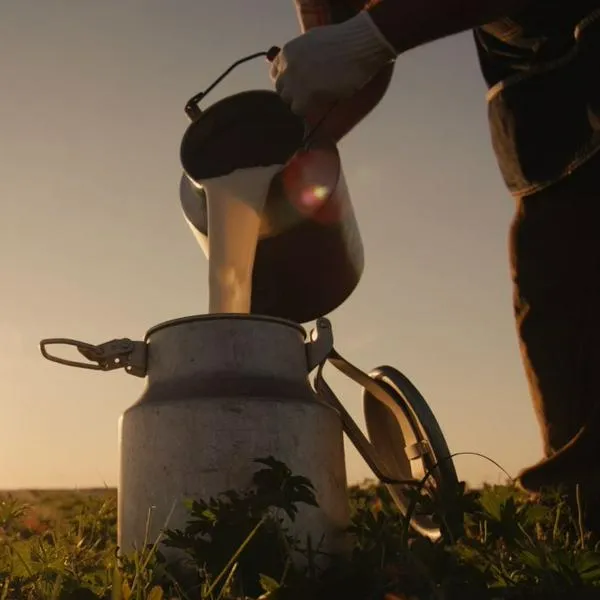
(410, 441)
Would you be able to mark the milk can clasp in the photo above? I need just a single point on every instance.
(115, 354)
(320, 345)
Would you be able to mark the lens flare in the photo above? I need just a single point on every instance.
(309, 184)
(320, 192)
(314, 196)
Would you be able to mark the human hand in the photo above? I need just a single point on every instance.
(330, 63)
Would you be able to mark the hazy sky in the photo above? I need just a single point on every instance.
(94, 246)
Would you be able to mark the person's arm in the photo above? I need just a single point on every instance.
(313, 13)
(348, 64)
(316, 13)
(407, 24)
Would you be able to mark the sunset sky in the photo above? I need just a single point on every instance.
(93, 244)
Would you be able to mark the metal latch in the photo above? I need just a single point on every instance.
(115, 354)
(320, 345)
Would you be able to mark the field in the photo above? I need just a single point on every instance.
(496, 543)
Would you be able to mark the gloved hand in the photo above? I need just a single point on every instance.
(330, 63)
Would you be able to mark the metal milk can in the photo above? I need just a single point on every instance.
(309, 257)
(223, 390)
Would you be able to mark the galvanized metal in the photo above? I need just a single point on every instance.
(220, 392)
(223, 390)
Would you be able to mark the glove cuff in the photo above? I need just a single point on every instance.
(360, 37)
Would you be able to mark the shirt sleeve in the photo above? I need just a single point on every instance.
(313, 13)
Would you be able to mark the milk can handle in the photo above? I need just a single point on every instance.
(192, 110)
(116, 354)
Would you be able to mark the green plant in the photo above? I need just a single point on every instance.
(496, 543)
(246, 529)
(72, 561)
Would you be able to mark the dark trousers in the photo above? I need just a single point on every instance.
(555, 262)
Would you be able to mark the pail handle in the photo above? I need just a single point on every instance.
(192, 110)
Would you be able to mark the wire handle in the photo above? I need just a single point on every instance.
(192, 110)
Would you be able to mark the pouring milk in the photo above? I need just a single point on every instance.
(235, 205)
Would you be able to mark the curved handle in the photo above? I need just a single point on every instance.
(193, 111)
(81, 346)
(115, 354)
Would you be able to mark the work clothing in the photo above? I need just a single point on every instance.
(542, 68)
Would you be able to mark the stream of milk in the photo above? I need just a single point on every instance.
(235, 204)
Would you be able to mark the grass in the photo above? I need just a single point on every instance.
(497, 543)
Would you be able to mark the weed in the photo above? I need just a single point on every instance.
(496, 542)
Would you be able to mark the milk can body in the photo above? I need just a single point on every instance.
(222, 391)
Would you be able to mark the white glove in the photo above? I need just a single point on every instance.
(330, 63)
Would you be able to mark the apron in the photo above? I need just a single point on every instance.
(542, 68)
